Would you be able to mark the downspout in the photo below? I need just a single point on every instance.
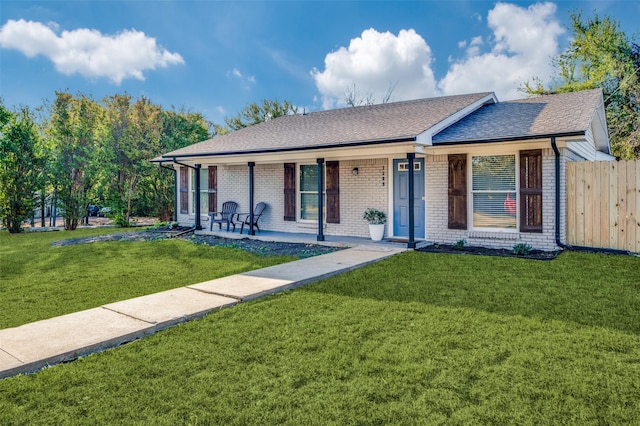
(556, 151)
(197, 225)
(175, 192)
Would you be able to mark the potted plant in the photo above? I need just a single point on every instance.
(376, 219)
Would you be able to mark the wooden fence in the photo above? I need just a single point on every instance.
(603, 204)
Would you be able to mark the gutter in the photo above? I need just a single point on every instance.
(512, 138)
(294, 149)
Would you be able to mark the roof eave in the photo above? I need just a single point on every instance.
(171, 157)
(512, 138)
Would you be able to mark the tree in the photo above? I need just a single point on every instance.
(133, 133)
(352, 96)
(75, 128)
(157, 186)
(20, 167)
(600, 55)
(254, 114)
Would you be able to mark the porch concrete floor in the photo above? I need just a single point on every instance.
(305, 238)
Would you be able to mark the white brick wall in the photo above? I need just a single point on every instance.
(437, 211)
(370, 189)
(367, 189)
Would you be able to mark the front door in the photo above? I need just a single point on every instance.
(401, 198)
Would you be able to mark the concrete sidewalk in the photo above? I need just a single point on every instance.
(33, 346)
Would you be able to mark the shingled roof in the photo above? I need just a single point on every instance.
(391, 122)
(542, 116)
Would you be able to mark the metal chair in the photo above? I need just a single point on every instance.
(257, 212)
(224, 216)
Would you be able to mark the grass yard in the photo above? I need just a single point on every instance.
(420, 338)
(40, 281)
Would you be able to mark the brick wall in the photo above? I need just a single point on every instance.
(357, 192)
(437, 211)
(369, 188)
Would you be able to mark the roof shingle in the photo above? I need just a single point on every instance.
(384, 122)
(564, 113)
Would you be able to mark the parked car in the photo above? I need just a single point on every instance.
(104, 211)
(94, 210)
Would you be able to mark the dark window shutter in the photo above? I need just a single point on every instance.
(333, 191)
(531, 191)
(184, 190)
(213, 189)
(290, 191)
(457, 191)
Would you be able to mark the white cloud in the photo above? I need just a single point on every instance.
(88, 52)
(375, 62)
(246, 81)
(524, 42)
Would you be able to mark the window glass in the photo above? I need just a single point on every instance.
(309, 192)
(309, 178)
(204, 191)
(494, 191)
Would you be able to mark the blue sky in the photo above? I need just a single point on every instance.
(217, 57)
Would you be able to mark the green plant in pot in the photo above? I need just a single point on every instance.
(377, 219)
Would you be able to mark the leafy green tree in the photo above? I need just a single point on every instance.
(20, 166)
(254, 114)
(75, 129)
(133, 134)
(601, 55)
(179, 129)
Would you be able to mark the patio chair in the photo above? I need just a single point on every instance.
(224, 216)
(257, 212)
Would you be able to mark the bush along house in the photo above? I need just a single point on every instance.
(443, 169)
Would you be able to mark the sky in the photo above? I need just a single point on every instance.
(216, 57)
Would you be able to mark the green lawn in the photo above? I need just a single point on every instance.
(40, 281)
(419, 338)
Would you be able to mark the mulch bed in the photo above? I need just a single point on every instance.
(261, 248)
(470, 250)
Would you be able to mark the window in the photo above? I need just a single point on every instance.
(204, 191)
(309, 191)
(494, 192)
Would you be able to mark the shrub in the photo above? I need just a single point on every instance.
(522, 249)
(459, 245)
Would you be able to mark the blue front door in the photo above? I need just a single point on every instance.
(401, 198)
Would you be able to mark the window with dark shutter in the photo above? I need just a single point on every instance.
(212, 189)
(333, 191)
(290, 191)
(184, 190)
(531, 191)
(457, 193)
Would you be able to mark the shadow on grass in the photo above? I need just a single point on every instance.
(590, 289)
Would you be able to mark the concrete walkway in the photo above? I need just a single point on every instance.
(33, 346)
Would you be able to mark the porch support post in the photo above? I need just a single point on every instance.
(411, 244)
(251, 165)
(320, 162)
(196, 170)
